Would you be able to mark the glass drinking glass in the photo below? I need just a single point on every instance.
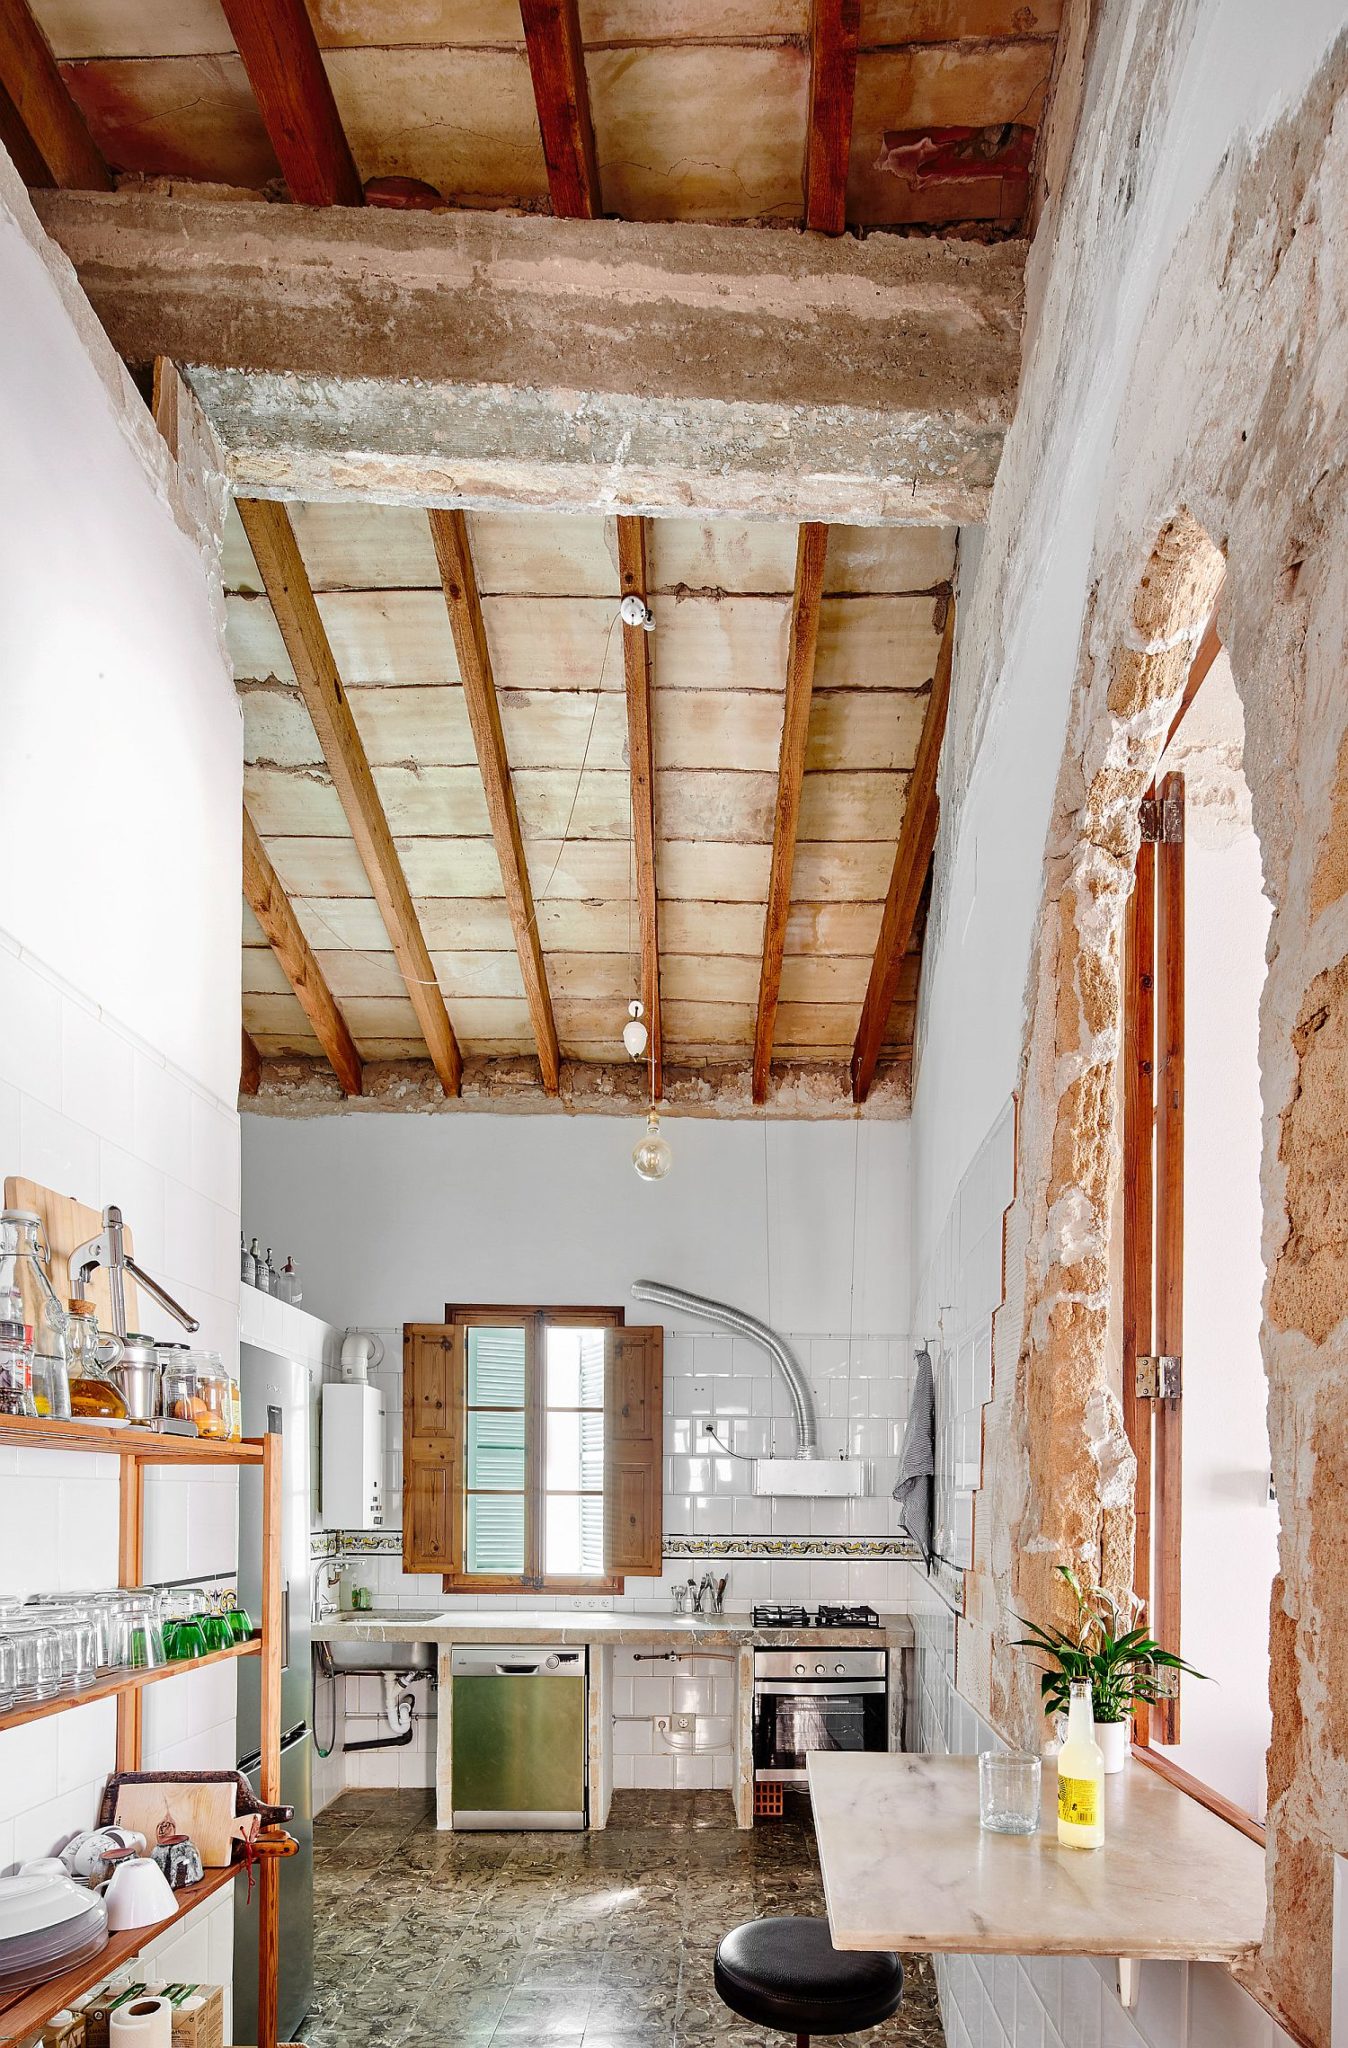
(143, 1643)
(37, 1659)
(1008, 1791)
(7, 1694)
(215, 1627)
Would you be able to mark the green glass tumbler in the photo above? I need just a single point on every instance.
(189, 1637)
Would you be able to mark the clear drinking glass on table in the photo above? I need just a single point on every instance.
(1008, 1791)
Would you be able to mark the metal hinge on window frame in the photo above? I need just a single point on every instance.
(1159, 1377)
(1161, 820)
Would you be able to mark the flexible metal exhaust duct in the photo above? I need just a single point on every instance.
(743, 1325)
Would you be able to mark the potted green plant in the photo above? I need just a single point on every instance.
(1107, 1648)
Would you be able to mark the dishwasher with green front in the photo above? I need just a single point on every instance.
(518, 1736)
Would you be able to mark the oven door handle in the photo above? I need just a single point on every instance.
(817, 1688)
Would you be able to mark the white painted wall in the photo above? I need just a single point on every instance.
(389, 1217)
(120, 785)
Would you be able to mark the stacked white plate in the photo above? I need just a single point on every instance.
(47, 1925)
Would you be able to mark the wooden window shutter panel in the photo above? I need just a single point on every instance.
(432, 1377)
(634, 1435)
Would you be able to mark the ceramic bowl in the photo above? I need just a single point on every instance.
(138, 1894)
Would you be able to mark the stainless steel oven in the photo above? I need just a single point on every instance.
(816, 1698)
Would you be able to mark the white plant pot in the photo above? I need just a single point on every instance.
(1112, 1737)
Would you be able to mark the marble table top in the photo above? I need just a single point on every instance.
(906, 1866)
(624, 1628)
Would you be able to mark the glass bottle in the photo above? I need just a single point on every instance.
(247, 1264)
(1081, 1776)
(235, 1403)
(90, 1356)
(290, 1284)
(24, 1263)
(16, 1359)
(255, 1254)
(268, 1275)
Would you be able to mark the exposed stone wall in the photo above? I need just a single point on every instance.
(1230, 441)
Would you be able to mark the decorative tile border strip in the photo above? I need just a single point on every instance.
(855, 1547)
(389, 1543)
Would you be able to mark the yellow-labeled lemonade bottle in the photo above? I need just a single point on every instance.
(1081, 1776)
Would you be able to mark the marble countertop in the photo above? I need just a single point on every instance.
(597, 1625)
(906, 1866)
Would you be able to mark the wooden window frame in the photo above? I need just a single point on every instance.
(535, 1318)
(1153, 1055)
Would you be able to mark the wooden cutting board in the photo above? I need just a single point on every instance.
(67, 1224)
(203, 1812)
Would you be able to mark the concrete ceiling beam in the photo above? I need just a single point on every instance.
(482, 358)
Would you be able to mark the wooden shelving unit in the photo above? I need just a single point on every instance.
(137, 1448)
(32, 2009)
(118, 1682)
(39, 1433)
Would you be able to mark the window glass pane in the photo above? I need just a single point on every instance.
(495, 1532)
(496, 1368)
(575, 1368)
(496, 1450)
(574, 1535)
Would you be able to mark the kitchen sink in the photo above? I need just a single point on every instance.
(380, 1656)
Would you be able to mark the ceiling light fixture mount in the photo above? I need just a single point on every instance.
(635, 1034)
(634, 611)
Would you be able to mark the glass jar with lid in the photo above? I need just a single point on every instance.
(24, 1272)
(178, 1382)
(90, 1356)
(211, 1403)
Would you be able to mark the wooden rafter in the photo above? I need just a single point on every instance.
(250, 1066)
(811, 554)
(40, 124)
(917, 839)
(280, 53)
(561, 94)
(834, 29)
(449, 532)
(277, 554)
(272, 908)
(641, 757)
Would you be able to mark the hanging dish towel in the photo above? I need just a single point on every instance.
(917, 1459)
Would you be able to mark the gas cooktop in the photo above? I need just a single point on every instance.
(822, 1617)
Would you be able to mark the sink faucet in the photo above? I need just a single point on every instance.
(328, 1578)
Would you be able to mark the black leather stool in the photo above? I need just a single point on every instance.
(787, 1974)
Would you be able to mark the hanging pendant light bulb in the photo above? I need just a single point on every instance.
(652, 1157)
(634, 1031)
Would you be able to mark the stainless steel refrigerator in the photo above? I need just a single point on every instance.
(271, 1381)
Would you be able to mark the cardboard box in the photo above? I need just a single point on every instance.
(194, 2025)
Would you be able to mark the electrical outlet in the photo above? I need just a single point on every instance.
(683, 1724)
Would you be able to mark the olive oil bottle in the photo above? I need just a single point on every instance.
(1081, 1776)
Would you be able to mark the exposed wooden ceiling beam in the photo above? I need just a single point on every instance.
(561, 94)
(917, 838)
(641, 759)
(811, 553)
(250, 1064)
(493, 318)
(40, 124)
(277, 554)
(834, 28)
(272, 908)
(280, 53)
(449, 531)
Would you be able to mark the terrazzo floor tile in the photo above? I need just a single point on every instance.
(429, 1940)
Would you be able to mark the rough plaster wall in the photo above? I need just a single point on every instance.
(1226, 431)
